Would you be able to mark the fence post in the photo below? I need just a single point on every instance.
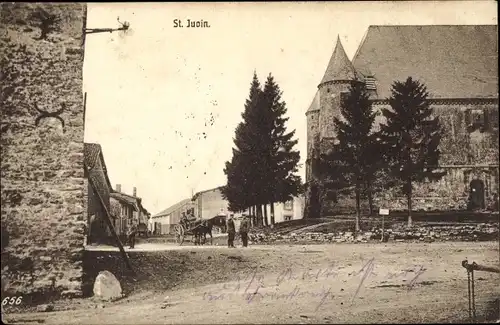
(470, 284)
(383, 213)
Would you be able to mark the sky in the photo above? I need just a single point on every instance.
(163, 102)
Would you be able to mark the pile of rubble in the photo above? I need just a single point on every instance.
(478, 232)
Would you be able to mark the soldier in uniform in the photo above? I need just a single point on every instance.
(231, 231)
(131, 235)
(244, 228)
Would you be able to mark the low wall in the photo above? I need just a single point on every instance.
(427, 233)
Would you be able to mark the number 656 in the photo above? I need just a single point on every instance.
(12, 300)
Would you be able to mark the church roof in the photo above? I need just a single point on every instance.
(454, 61)
(339, 67)
(315, 103)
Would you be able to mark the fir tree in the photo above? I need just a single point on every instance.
(355, 155)
(411, 137)
(281, 160)
(244, 170)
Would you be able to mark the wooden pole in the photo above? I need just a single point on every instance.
(382, 239)
(84, 108)
(111, 228)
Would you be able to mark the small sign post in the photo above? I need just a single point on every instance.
(383, 213)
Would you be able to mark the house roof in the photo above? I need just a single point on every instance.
(339, 67)
(92, 152)
(454, 61)
(97, 177)
(134, 201)
(205, 191)
(172, 208)
(125, 198)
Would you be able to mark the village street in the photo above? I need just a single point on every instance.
(158, 247)
(342, 283)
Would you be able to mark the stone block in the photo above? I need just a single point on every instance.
(107, 286)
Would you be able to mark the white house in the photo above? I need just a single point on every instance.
(163, 222)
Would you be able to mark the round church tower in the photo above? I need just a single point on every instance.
(338, 77)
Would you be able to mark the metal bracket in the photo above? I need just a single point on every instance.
(124, 27)
(45, 114)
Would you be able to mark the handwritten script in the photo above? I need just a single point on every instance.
(290, 284)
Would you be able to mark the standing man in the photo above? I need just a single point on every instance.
(244, 227)
(231, 231)
(131, 235)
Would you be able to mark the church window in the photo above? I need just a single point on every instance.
(327, 90)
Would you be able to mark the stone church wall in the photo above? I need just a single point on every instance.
(467, 154)
(42, 175)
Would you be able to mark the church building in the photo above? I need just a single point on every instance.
(459, 66)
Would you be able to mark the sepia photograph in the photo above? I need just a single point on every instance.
(287, 162)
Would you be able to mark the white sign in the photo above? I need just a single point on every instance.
(383, 212)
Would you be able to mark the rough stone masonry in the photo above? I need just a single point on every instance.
(42, 127)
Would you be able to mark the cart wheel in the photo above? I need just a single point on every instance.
(179, 234)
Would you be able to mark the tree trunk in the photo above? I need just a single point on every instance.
(258, 214)
(254, 215)
(408, 197)
(313, 205)
(272, 213)
(266, 221)
(358, 208)
(370, 198)
(261, 212)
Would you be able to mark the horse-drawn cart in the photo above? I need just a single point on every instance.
(198, 229)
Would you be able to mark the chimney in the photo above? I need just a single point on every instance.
(135, 191)
(118, 187)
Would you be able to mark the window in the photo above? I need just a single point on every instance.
(288, 205)
(370, 83)
(343, 97)
(476, 119)
(288, 218)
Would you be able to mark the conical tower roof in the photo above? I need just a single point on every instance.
(315, 104)
(339, 67)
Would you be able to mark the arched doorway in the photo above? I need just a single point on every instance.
(476, 195)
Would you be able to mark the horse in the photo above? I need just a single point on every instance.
(205, 227)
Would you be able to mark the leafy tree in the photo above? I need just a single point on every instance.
(355, 155)
(411, 137)
(282, 182)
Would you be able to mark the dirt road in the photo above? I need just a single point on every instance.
(347, 283)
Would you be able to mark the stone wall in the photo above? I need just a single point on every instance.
(425, 233)
(42, 175)
(466, 154)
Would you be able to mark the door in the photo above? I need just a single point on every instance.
(476, 195)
